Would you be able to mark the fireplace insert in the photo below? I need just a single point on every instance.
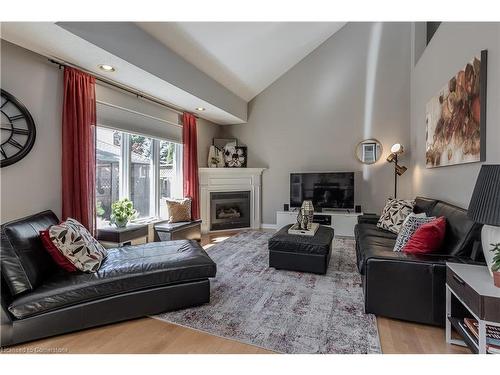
(229, 210)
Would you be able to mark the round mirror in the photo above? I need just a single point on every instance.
(368, 151)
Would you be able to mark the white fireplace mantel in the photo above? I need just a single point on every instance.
(230, 179)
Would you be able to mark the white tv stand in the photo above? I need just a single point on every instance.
(342, 222)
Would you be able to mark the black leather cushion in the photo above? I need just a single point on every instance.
(24, 261)
(371, 230)
(369, 237)
(460, 230)
(424, 205)
(377, 243)
(125, 270)
(317, 244)
(381, 252)
(172, 227)
(368, 219)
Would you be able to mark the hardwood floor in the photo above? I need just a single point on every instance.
(398, 337)
(148, 335)
(140, 336)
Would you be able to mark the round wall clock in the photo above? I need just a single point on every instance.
(17, 130)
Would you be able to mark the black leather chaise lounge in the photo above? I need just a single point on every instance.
(38, 299)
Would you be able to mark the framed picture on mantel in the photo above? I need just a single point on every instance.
(221, 143)
(456, 118)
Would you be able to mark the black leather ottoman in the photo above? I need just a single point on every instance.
(301, 253)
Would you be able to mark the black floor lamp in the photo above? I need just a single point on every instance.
(396, 149)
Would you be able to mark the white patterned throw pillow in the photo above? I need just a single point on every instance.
(394, 214)
(75, 242)
(409, 227)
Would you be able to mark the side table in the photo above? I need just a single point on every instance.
(470, 293)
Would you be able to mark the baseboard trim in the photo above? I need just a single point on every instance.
(269, 226)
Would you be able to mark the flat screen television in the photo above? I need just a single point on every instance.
(333, 190)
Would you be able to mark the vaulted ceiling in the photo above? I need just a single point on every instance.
(245, 57)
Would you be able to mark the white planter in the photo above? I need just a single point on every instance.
(489, 235)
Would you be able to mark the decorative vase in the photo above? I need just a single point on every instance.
(299, 219)
(121, 223)
(304, 223)
(212, 157)
(496, 279)
(308, 210)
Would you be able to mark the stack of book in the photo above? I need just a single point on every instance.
(471, 327)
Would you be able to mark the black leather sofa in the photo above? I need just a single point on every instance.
(405, 286)
(38, 299)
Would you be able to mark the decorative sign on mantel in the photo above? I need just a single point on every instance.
(227, 153)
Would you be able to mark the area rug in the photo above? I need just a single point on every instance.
(283, 311)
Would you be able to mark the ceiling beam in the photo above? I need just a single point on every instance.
(132, 44)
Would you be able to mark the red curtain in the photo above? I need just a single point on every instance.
(190, 163)
(78, 148)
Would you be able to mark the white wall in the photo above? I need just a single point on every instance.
(34, 183)
(452, 46)
(354, 86)
(206, 131)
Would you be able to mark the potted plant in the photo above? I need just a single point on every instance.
(122, 211)
(495, 267)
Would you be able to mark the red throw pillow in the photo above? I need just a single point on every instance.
(54, 252)
(428, 238)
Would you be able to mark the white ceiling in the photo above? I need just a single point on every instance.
(245, 57)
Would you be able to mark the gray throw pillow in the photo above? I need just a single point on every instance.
(409, 227)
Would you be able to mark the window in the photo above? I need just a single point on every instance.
(170, 173)
(141, 175)
(108, 159)
(145, 170)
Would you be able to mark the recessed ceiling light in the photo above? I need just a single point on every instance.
(106, 68)
(200, 108)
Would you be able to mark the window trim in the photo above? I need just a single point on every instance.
(125, 166)
(155, 173)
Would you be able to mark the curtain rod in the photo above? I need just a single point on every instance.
(178, 110)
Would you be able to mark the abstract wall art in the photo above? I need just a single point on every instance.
(456, 118)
